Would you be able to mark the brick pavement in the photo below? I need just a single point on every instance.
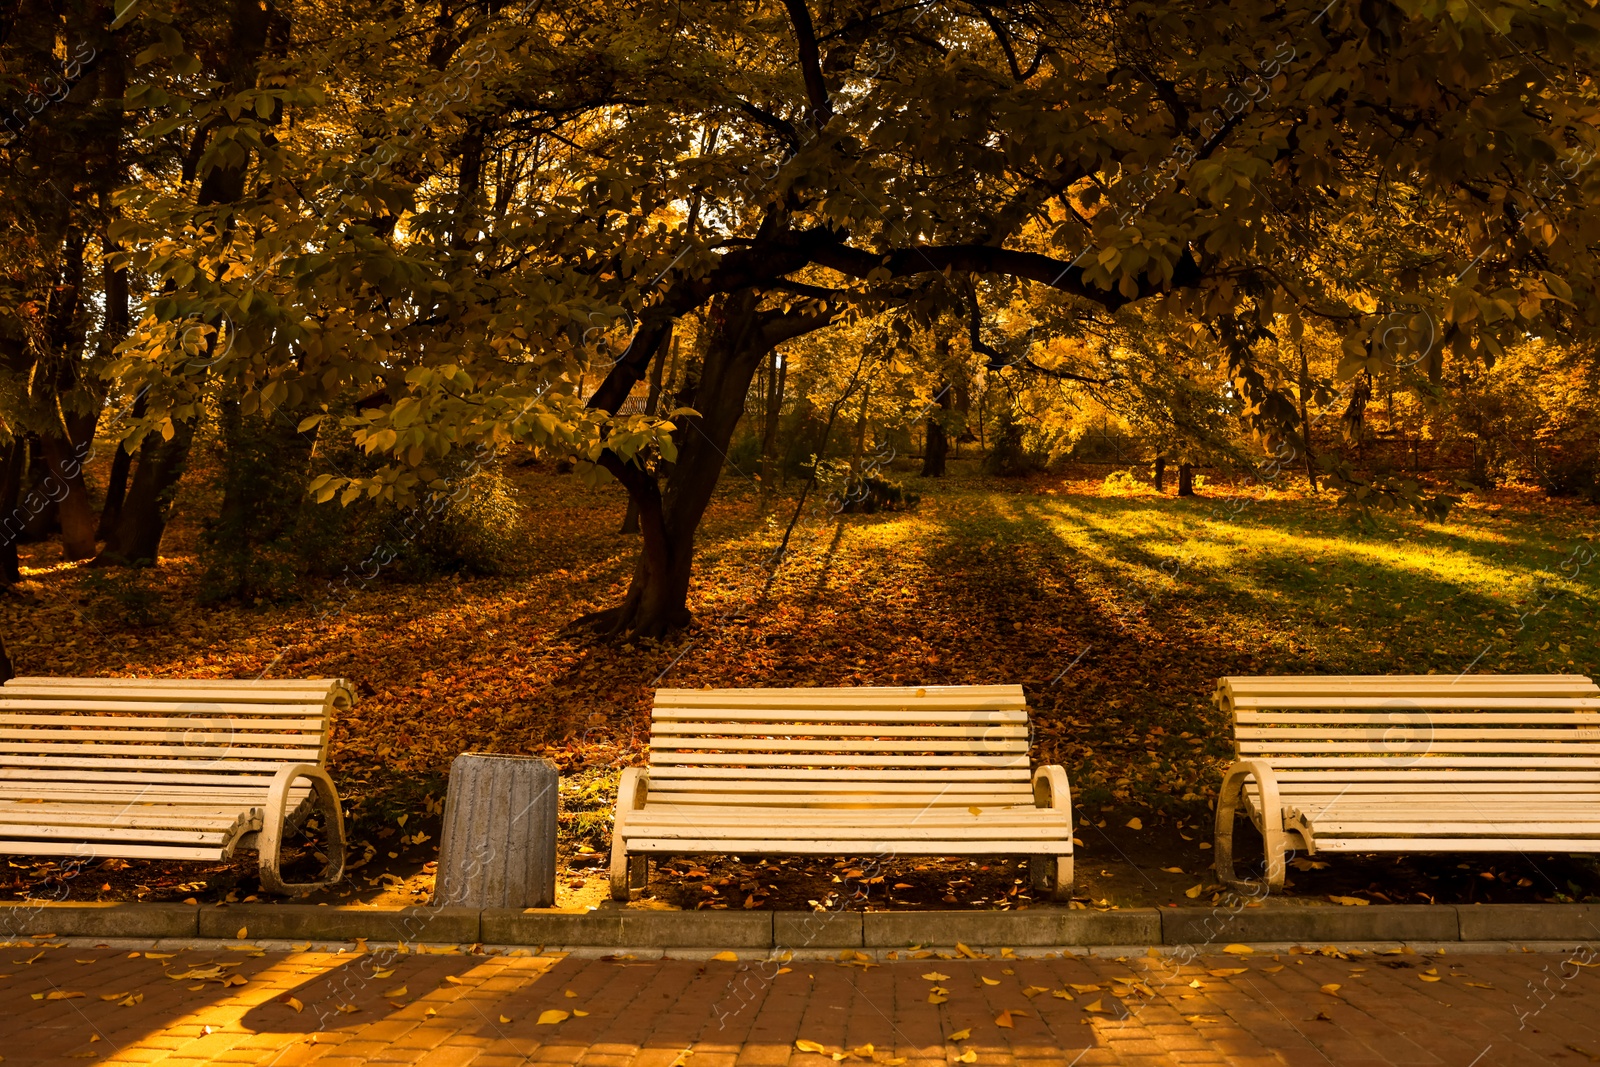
(452, 1010)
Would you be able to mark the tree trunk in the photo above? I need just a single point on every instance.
(13, 465)
(136, 539)
(1305, 422)
(1161, 472)
(6, 671)
(937, 446)
(116, 492)
(630, 521)
(64, 456)
(1186, 479)
(739, 335)
(777, 377)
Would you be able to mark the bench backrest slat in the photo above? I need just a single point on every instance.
(1363, 727)
(722, 740)
(175, 733)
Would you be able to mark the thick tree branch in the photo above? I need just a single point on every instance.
(805, 34)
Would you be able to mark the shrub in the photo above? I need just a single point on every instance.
(1009, 456)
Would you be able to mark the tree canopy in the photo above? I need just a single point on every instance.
(423, 229)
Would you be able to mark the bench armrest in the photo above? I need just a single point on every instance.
(1052, 875)
(270, 840)
(1229, 798)
(632, 789)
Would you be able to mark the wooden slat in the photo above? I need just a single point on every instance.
(117, 748)
(854, 746)
(104, 849)
(712, 729)
(1422, 748)
(897, 801)
(1441, 702)
(856, 775)
(760, 759)
(64, 702)
(204, 732)
(769, 846)
(12, 831)
(1401, 718)
(933, 718)
(1453, 844)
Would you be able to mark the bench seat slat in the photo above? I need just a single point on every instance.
(127, 850)
(864, 846)
(867, 749)
(861, 760)
(667, 730)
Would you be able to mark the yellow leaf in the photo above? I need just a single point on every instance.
(504, 1019)
(727, 957)
(244, 931)
(551, 1017)
(1430, 977)
(580, 1013)
(1227, 972)
(961, 1035)
(1349, 902)
(397, 992)
(1076, 988)
(570, 994)
(112, 996)
(1062, 993)
(785, 970)
(1173, 870)
(935, 976)
(1034, 990)
(453, 980)
(975, 810)
(1005, 1017)
(233, 980)
(1332, 989)
(991, 981)
(159, 955)
(965, 951)
(1135, 824)
(808, 1046)
(383, 974)
(61, 994)
(969, 1056)
(131, 1001)
(1097, 1007)
(1239, 950)
(935, 998)
(1194, 891)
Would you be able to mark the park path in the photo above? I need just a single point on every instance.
(71, 1004)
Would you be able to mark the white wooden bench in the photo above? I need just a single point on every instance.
(879, 772)
(168, 769)
(1409, 763)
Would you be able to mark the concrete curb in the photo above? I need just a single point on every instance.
(793, 931)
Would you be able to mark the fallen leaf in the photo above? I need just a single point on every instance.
(244, 932)
(552, 1016)
(975, 810)
(1273, 969)
(1226, 972)
(1195, 891)
(1063, 994)
(808, 1046)
(61, 994)
(1173, 870)
(1430, 978)
(131, 1001)
(969, 1056)
(1034, 990)
(935, 976)
(112, 996)
(453, 980)
(965, 951)
(935, 998)
(399, 991)
(1349, 902)
(961, 1035)
(1239, 950)
(1135, 824)
(990, 981)
(383, 974)
(1076, 988)
(1097, 1007)
(159, 955)
(1332, 989)
(727, 957)
(504, 1019)
(1480, 985)
(579, 1012)
(570, 994)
